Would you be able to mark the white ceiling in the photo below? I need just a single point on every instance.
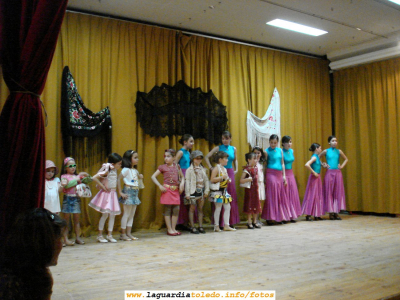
(378, 21)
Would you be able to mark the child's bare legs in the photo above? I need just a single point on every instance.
(66, 240)
(191, 215)
(77, 227)
(200, 204)
(167, 216)
(174, 218)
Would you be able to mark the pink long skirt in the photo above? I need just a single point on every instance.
(292, 194)
(276, 203)
(334, 197)
(313, 202)
(234, 216)
(106, 202)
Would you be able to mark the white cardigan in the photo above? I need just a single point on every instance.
(190, 181)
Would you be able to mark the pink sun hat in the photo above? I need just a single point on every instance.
(50, 164)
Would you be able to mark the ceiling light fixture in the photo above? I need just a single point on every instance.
(297, 27)
(395, 1)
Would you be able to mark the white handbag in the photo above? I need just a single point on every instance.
(246, 185)
(83, 191)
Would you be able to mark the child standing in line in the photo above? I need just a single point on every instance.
(106, 200)
(251, 205)
(219, 194)
(129, 195)
(260, 167)
(313, 202)
(291, 188)
(231, 164)
(53, 187)
(183, 159)
(71, 202)
(197, 188)
(334, 197)
(174, 183)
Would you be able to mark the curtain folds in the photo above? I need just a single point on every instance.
(111, 60)
(29, 36)
(367, 118)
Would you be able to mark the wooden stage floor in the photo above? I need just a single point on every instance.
(356, 258)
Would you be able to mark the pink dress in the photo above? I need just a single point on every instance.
(107, 202)
(171, 183)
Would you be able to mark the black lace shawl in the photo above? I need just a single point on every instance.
(179, 109)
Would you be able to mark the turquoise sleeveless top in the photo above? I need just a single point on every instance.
(231, 154)
(184, 162)
(274, 160)
(332, 158)
(316, 165)
(288, 158)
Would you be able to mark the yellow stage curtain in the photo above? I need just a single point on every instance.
(367, 123)
(111, 60)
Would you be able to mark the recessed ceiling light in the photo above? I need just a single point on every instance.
(297, 27)
(395, 1)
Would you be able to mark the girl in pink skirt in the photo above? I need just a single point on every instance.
(291, 188)
(334, 197)
(260, 167)
(276, 209)
(232, 169)
(251, 205)
(313, 202)
(174, 184)
(106, 200)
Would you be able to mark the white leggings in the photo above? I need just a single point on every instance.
(129, 214)
(110, 221)
(217, 212)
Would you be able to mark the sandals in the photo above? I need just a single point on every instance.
(79, 242)
(216, 228)
(124, 237)
(69, 243)
(194, 230)
(132, 237)
(257, 225)
(201, 230)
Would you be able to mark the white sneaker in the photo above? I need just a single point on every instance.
(101, 239)
(111, 239)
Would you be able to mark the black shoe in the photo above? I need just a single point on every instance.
(231, 226)
(284, 222)
(292, 221)
(194, 230)
(201, 230)
(319, 219)
(270, 223)
(331, 216)
(250, 226)
(221, 227)
(336, 217)
(308, 218)
(258, 226)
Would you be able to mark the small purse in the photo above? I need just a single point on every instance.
(246, 185)
(83, 191)
(141, 184)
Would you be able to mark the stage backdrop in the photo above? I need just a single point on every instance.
(367, 123)
(111, 60)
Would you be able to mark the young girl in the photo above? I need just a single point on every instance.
(71, 203)
(183, 159)
(260, 167)
(106, 200)
(170, 190)
(219, 194)
(197, 188)
(291, 188)
(276, 206)
(251, 205)
(231, 151)
(313, 202)
(53, 187)
(129, 195)
(334, 197)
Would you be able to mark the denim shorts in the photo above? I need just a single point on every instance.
(71, 205)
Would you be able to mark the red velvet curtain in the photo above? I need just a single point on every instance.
(28, 34)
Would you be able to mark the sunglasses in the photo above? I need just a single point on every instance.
(71, 166)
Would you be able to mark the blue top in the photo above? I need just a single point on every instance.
(184, 162)
(316, 165)
(274, 160)
(332, 158)
(231, 154)
(288, 158)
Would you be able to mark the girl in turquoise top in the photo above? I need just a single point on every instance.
(291, 188)
(183, 159)
(334, 196)
(313, 202)
(276, 208)
(232, 170)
